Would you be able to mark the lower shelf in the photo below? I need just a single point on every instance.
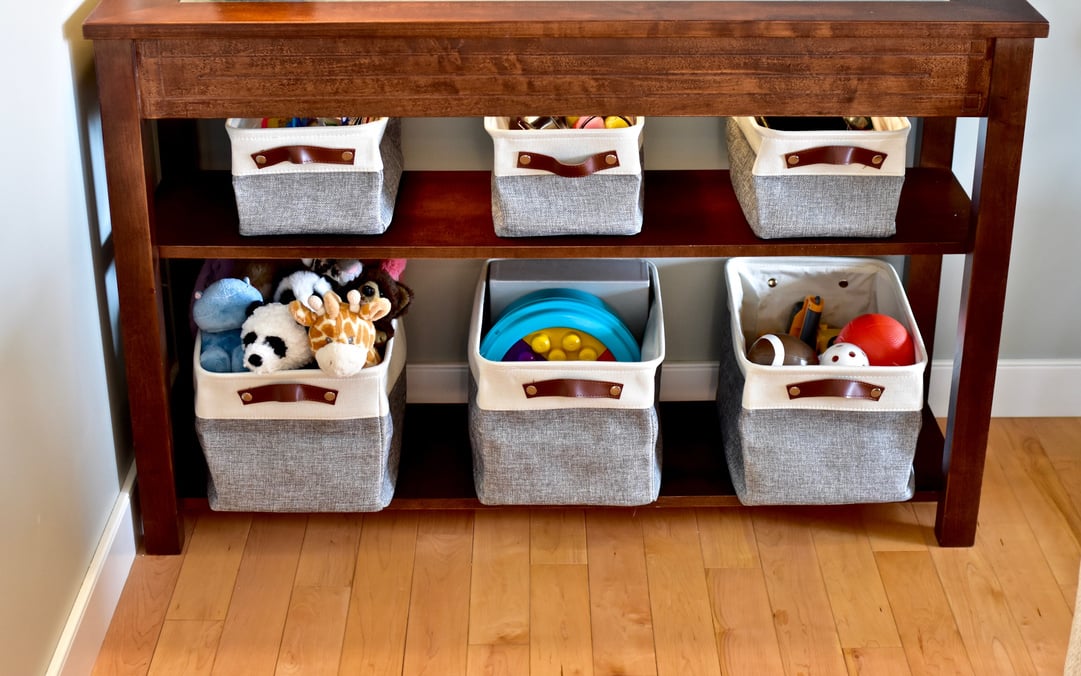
(437, 473)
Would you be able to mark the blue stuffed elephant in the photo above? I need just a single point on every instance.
(219, 311)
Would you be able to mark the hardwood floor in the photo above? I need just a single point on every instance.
(823, 590)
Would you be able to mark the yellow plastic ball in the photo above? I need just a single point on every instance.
(541, 343)
(572, 342)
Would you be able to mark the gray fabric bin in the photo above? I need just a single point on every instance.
(307, 187)
(566, 450)
(822, 450)
(329, 445)
(823, 200)
(566, 181)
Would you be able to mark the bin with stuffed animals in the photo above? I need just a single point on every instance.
(303, 176)
(566, 176)
(564, 359)
(818, 177)
(295, 433)
(820, 392)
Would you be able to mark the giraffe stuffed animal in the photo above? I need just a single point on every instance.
(342, 334)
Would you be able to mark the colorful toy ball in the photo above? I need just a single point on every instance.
(781, 349)
(589, 122)
(844, 354)
(885, 340)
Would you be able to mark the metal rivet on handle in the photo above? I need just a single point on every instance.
(610, 159)
(260, 159)
(615, 391)
(793, 391)
(876, 392)
(524, 159)
(330, 396)
(877, 159)
(246, 397)
(793, 159)
(531, 390)
(347, 156)
(771, 282)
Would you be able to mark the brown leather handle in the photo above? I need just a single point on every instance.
(609, 159)
(302, 155)
(572, 387)
(288, 393)
(835, 387)
(835, 155)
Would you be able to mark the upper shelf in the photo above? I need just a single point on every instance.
(447, 59)
(117, 19)
(448, 215)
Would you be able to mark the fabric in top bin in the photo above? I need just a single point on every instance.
(315, 180)
(566, 181)
(782, 194)
(790, 449)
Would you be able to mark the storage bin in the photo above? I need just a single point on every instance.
(784, 444)
(569, 432)
(315, 180)
(566, 181)
(300, 440)
(818, 183)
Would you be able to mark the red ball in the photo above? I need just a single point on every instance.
(885, 340)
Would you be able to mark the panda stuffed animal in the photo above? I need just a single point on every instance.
(273, 341)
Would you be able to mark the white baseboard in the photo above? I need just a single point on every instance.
(89, 619)
(1023, 387)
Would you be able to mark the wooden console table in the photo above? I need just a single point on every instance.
(171, 62)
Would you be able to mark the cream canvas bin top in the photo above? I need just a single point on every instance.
(500, 384)
(761, 292)
(771, 146)
(247, 138)
(569, 146)
(217, 395)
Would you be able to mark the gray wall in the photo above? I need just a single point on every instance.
(59, 461)
(62, 458)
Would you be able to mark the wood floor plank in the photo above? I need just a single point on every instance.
(557, 536)
(1010, 544)
(374, 642)
(746, 638)
(1060, 439)
(560, 643)
(709, 591)
(727, 538)
(252, 633)
(877, 661)
(208, 574)
(314, 629)
(684, 637)
(499, 587)
(133, 632)
(329, 555)
(1049, 513)
(438, 626)
(893, 527)
(992, 639)
(922, 614)
(186, 648)
(498, 660)
(806, 629)
(620, 617)
(857, 597)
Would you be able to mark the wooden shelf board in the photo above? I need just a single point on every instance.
(691, 213)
